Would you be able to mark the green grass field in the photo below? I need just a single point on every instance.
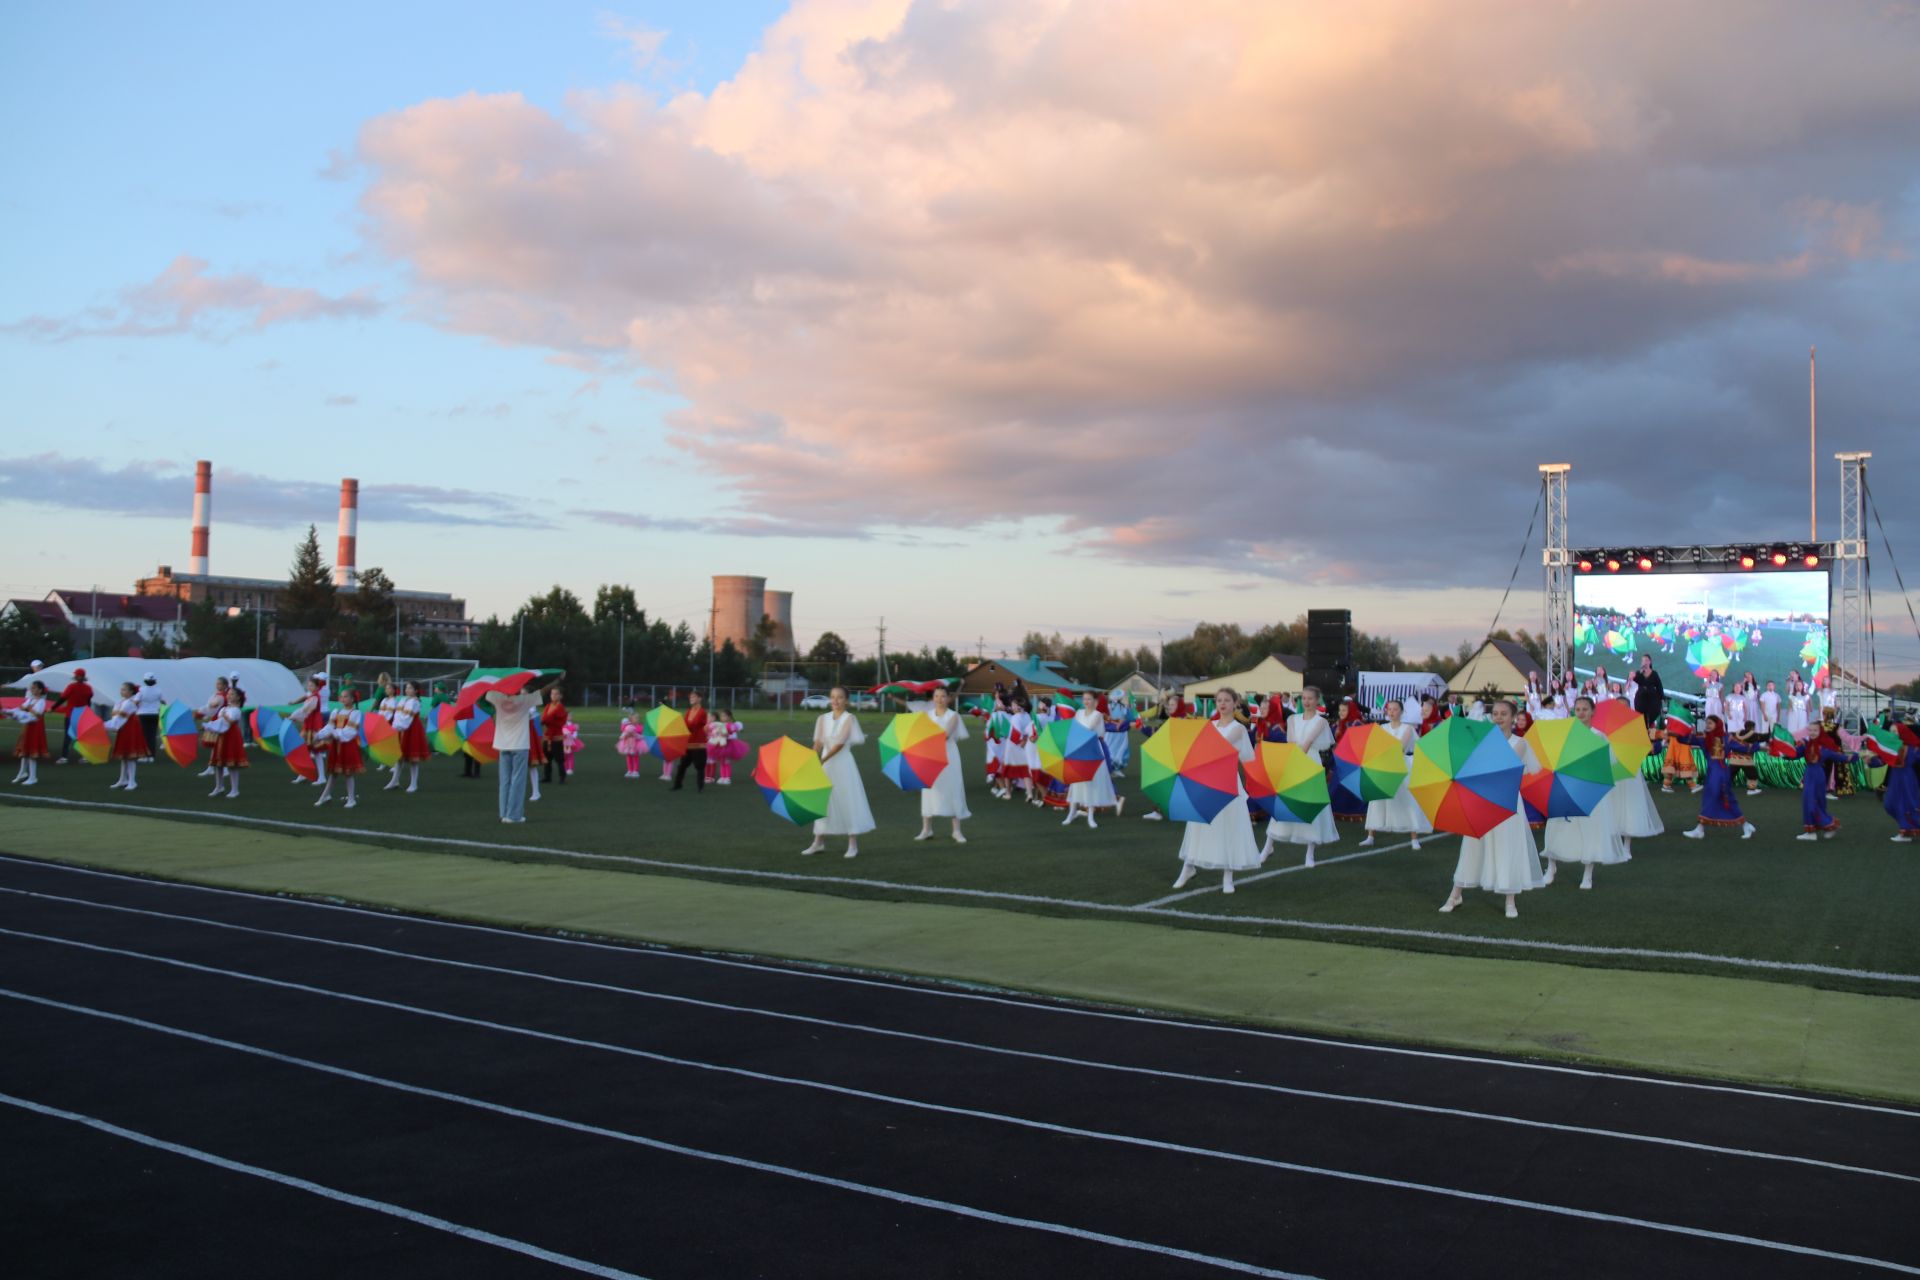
(1841, 905)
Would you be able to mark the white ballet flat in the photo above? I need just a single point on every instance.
(349, 804)
(1807, 836)
(1698, 833)
(133, 786)
(233, 795)
(1746, 832)
(415, 787)
(214, 792)
(1367, 843)
(1553, 869)
(1091, 824)
(1449, 905)
(958, 838)
(1186, 874)
(322, 800)
(924, 835)
(115, 786)
(811, 849)
(851, 853)
(1513, 912)
(1902, 840)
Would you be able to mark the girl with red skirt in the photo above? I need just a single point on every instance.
(31, 748)
(129, 739)
(342, 736)
(229, 748)
(412, 724)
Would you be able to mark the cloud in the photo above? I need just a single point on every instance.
(162, 488)
(341, 401)
(188, 297)
(1298, 291)
(642, 43)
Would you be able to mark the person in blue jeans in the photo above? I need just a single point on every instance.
(512, 720)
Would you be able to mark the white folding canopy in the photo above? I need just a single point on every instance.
(179, 679)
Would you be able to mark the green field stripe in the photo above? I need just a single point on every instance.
(1732, 1028)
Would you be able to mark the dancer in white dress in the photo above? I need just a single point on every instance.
(1043, 715)
(1308, 730)
(1797, 699)
(1399, 814)
(1593, 840)
(1504, 860)
(1713, 703)
(847, 812)
(1769, 710)
(947, 797)
(1097, 792)
(1227, 841)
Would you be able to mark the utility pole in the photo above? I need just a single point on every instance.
(621, 664)
(396, 639)
(880, 673)
(520, 654)
(256, 627)
(1160, 666)
(713, 619)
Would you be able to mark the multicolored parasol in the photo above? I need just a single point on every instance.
(1626, 733)
(1707, 657)
(913, 751)
(793, 780)
(1190, 770)
(443, 728)
(90, 736)
(1285, 783)
(664, 733)
(476, 737)
(1070, 752)
(1465, 777)
(179, 733)
(1369, 763)
(267, 722)
(290, 745)
(380, 738)
(1576, 770)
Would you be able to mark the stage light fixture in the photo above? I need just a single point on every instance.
(1811, 560)
(1585, 565)
(1747, 560)
(1644, 563)
(1613, 564)
(1699, 554)
(1778, 557)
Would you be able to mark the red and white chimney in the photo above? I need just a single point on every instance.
(344, 574)
(202, 514)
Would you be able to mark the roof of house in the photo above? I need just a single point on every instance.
(1473, 675)
(1263, 676)
(45, 610)
(1033, 671)
(114, 607)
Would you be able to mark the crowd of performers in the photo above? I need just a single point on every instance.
(538, 740)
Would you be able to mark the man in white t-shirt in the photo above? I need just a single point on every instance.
(147, 705)
(511, 721)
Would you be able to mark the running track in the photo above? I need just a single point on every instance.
(198, 1082)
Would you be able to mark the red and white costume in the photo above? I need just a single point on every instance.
(343, 734)
(32, 744)
(406, 717)
(229, 752)
(129, 741)
(1013, 765)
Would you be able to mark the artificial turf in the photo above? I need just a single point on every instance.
(1846, 903)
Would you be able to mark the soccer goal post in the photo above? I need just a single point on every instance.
(437, 677)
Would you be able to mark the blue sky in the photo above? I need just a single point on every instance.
(984, 320)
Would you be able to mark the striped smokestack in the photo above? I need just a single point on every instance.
(202, 514)
(343, 562)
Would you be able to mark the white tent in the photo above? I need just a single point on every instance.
(188, 680)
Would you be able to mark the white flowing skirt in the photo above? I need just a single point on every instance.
(1502, 861)
(1322, 830)
(1633, 808)
(1398, 814)
(1226, 843)
(1095, 793)
(1118, 749)
(1594, 838)
(947, 797)
(847, 810)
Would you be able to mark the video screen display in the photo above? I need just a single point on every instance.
(1695, 625)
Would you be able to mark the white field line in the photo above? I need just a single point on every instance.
(989, 895)
(1258, 876)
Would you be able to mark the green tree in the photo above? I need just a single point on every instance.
(110, 641)
(830, 648)
(23, 638)
(309, 599)
(611, 604)
(760, 644)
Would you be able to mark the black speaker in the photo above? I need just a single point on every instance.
(1332, 682)
(1329, 639)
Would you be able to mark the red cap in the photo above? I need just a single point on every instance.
(79, 673)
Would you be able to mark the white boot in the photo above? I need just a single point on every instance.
(1226, 882)
(1309, 861)
(1586, 881)
(1698, 833)
(1553, 869)
(1747, 830)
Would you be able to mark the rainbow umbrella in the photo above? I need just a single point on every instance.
(1190, 770)
(1465, 777)
(1284, 783)
(179, 734)
(267, 722)
(665, 733)
(793, 780)
(290, 745)
(1070, 752)
(1707, 657)
(380, 738)
(1576, 770)
(1626, 733)
(1369, 763)
(476, 739)
(90, 736)
(444, 730)
(913, 751)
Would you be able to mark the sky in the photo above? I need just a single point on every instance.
(981, 319)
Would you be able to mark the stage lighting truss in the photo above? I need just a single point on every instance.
(1784, 557)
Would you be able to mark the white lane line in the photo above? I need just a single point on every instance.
(330, 1193)
(950, 1043)
(1591, 1215)
(822, 973)
(991, 895)
(658, 1144)
(1258, 876)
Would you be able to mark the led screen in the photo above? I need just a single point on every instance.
(1697, 624)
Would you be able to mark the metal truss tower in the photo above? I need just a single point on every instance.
(1557, 565)
(1848, 659)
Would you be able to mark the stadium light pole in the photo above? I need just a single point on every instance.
(520, 653)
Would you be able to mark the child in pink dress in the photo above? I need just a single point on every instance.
(719, 766)
(570, 744)
(630, 746)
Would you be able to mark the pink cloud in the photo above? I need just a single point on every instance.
(916, 264)
(187, 297)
